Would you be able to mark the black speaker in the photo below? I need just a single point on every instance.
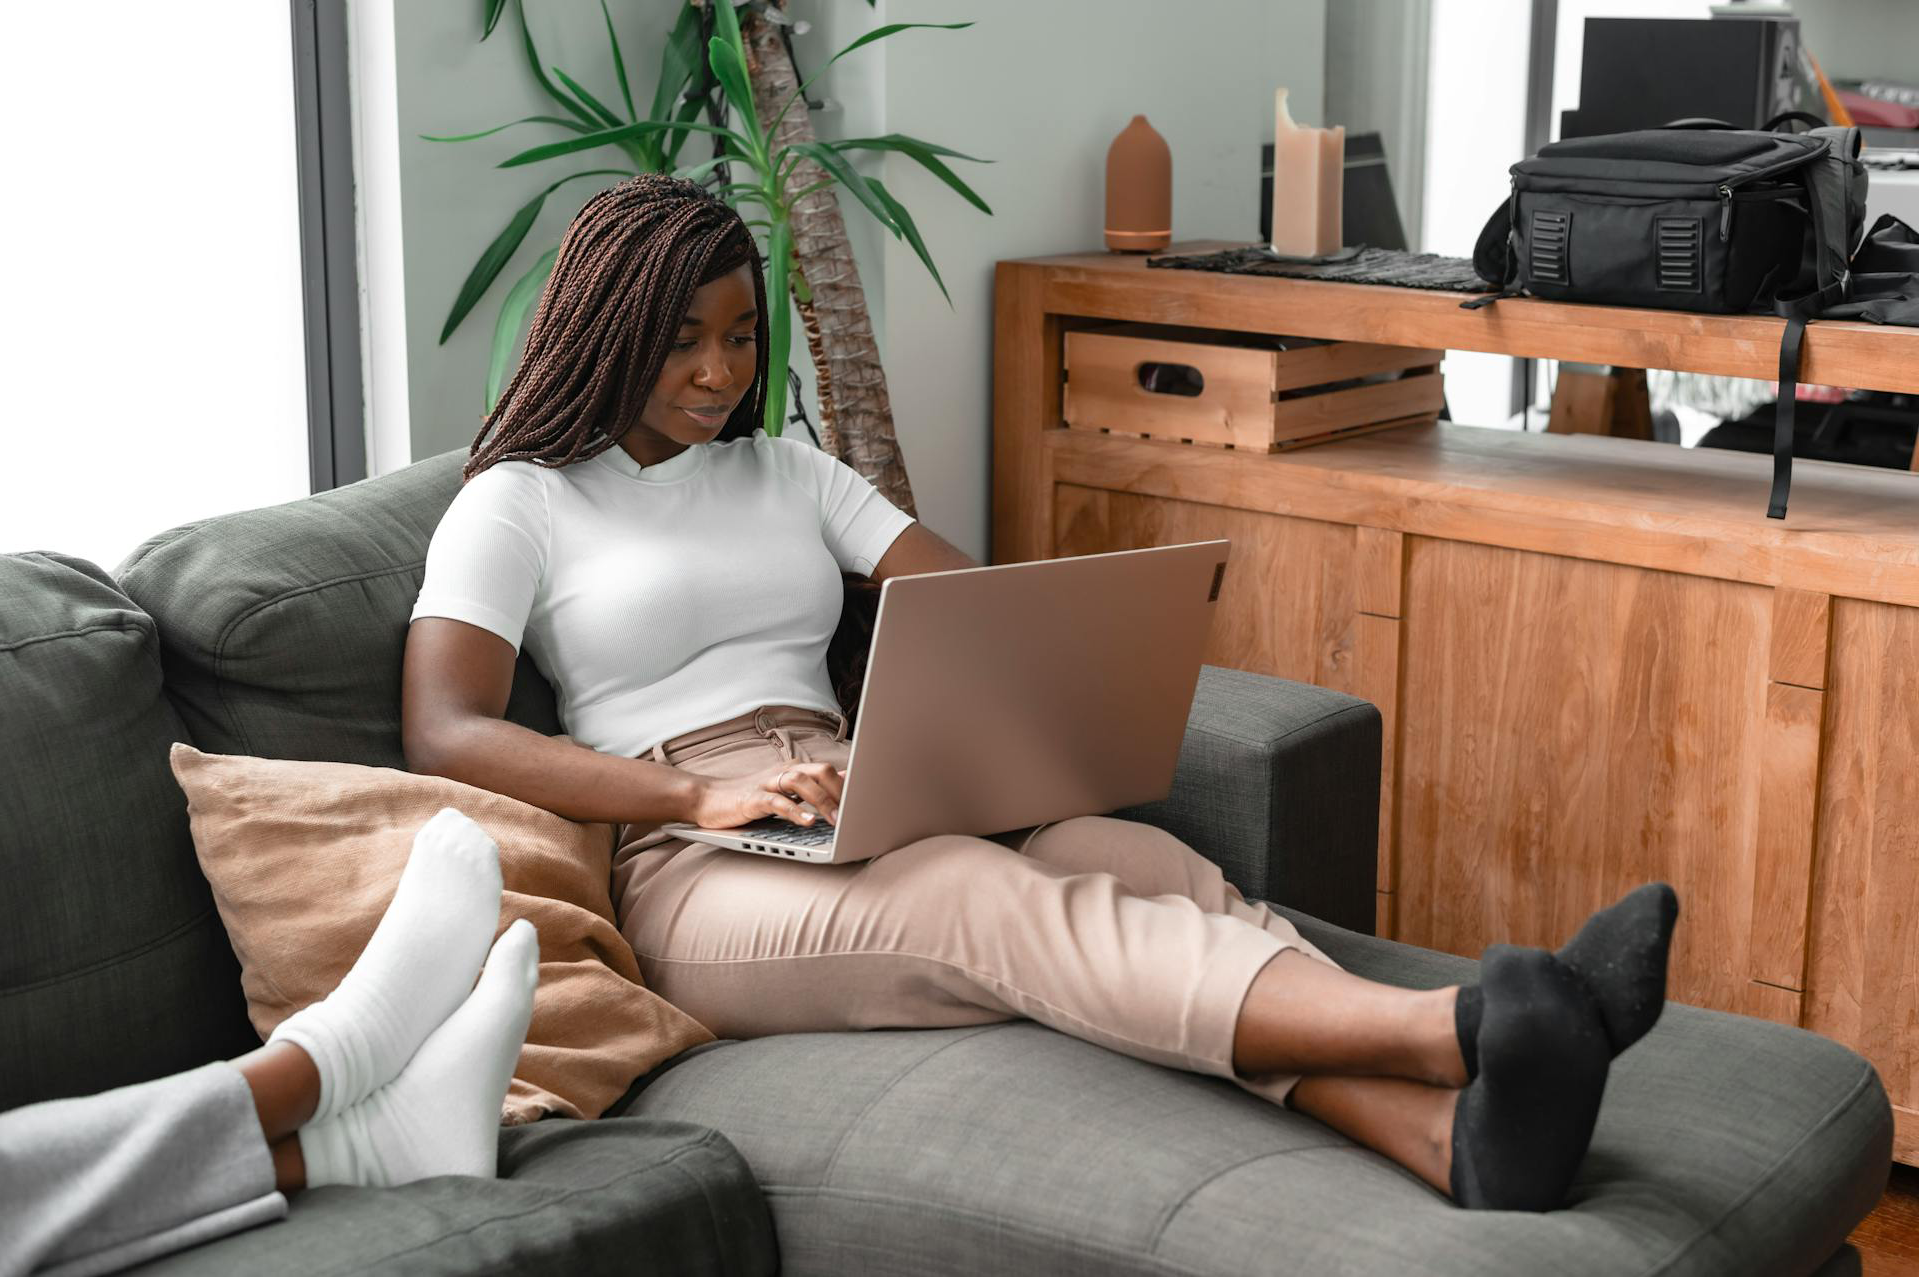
(1640, 73)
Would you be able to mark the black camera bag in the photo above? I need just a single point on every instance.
(1695, 216)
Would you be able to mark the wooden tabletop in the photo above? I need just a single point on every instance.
(1850, 530)
(1121, 286)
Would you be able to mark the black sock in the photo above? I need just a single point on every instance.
(1466, 1024)
(1620, 955)
(1522, 1128)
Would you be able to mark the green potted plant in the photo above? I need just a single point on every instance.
(788, 177)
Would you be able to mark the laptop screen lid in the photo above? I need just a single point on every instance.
(1006, 696)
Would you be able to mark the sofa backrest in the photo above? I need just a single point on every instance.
(113, 965)
(282, 629)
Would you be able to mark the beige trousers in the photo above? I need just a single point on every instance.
(1111, 930)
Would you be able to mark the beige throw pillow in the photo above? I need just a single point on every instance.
(304, 858)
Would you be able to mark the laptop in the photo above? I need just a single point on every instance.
(1013, 695)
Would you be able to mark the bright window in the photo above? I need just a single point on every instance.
(153, 334)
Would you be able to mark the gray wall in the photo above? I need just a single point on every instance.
(1040, 89)
(1862, 39)
(1376, 58)
(453, 198)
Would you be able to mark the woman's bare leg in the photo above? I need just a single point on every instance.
(1410, 1122)
(286, 1091)
(1306, 1017)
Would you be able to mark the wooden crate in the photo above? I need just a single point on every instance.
(1249, 396)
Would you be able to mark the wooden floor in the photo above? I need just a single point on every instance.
(1888, 1239)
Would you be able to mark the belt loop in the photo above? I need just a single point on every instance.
(659, 753)
(840, 732)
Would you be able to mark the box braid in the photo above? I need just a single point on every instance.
(621, 283)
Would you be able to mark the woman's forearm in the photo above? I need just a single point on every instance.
(564, 778)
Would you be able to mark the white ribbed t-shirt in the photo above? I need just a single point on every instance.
(669, 597)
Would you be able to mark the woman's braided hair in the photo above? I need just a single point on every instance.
(625, 273)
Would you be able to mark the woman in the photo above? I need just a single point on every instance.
(674, 573)
(395, 1076)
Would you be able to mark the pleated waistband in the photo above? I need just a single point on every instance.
(762, 721)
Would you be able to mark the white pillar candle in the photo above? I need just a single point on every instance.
(1309, 170)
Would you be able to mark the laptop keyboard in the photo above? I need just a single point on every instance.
(779, 829)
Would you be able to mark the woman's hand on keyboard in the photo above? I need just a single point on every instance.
(725, 802)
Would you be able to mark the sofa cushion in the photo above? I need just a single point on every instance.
(1726, 1145)
(113, 965)
(246, 602)
(580, 1198)
(304, 859)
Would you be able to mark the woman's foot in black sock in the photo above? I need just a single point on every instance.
(1522, 1127)
(1620, 954)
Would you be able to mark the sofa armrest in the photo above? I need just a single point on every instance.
(1278, 784)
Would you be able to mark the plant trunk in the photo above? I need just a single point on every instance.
(856, 415)
(822, 375)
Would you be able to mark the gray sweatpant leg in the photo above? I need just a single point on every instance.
(102, 1182)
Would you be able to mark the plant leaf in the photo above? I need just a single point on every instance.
(835, 164)
(644, 151)
(677, 138)
(619, 63)
(575, 125)
(488, 268)
(924, 154)
(700, 172)
(910, 233)
(779, 324)
(490, 16)
(607, 117)
(729, 67)
(506, 328)
(606, 137)
(726, 27)
(878, 33)
(679, 61)
(899, 141)
(533, 60)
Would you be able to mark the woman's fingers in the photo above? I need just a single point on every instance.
(831, 779)
(817, 783)
(832, 783)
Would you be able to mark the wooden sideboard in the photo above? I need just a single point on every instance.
(1598, 662)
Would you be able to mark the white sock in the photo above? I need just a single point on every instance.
(418, 967)
(441, 1116)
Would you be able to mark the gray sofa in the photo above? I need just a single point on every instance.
(1726, 1145)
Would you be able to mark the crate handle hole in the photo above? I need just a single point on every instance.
(1171, 379)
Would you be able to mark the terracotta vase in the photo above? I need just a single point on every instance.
(1139, 190)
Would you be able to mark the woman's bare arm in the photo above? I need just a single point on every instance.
(919, 549)
(454, 685)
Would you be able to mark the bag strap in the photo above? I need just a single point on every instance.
(1796, 310)
(1782, 415)
(1806, 118)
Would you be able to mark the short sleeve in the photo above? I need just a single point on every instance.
(485, 561)
(857, 522)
